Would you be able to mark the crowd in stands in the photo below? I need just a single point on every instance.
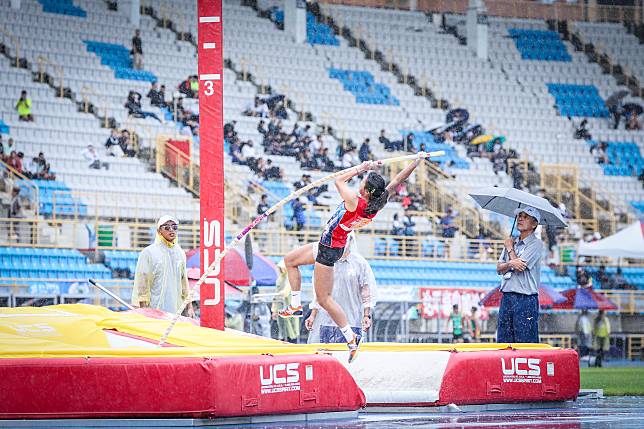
(603, 279)
(37, 168)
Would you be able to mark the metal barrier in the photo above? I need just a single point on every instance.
(627, 301)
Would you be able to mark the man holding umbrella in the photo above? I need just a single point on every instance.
(520, 265)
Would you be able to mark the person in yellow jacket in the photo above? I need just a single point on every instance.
(288, 329)
(23, 106)
(161, 279)
(601, 334)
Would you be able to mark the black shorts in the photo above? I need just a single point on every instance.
(328, 255)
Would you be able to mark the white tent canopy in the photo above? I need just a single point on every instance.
(627, 243)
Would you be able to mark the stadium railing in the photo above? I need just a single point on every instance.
(525, 9)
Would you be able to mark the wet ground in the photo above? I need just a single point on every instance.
(608, 413)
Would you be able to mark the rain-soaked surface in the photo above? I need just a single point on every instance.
(612, 413)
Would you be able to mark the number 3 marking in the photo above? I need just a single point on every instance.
(210, 90)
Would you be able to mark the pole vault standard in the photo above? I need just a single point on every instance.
(220, 255)
(211, 154)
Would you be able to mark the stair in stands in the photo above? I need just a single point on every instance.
(596, 55)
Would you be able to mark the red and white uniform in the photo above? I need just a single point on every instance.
(343, 222)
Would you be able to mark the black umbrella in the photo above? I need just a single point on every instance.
(616, 98)
(633, 107)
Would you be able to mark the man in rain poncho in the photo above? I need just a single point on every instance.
(161, 280)
(354, 288)
(288, 328)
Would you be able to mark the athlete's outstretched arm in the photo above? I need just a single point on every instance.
(350, 196)
(405, 173)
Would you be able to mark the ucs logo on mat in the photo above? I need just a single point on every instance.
(281, 377)
(521, 370)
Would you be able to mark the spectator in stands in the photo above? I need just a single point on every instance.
(262, 206)
(364, 154)
(273, 172)
(408, 224)
(641, 177)
(298, 214)
(601, 334)
(456, 320)
(186, 87)
(161, 279)
(304, 180)
(447, 223)
(15, 206)
(15, 161)
(257, 108)
(137, 50)
(520, 265)
(23, 106)
(317, 145)
(229, 129)
(307, 162)
(584, 330)
(396, 226)
(603, 278)
(248, 150)
(617, 112)
(349, 158)
(261, 128)
(583, 279)
(387, 144)
(42, 168)
(127, 143)
(473, 326)
(93, 159)
(632, 122)
(157, 96)
(324, 161)
(581, 132)
(133, 106)
(517, 176)
(8, 148)
(409, 143)
(619, 280)
(113, 144)
(598, 151)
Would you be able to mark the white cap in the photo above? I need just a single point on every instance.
(530, 211)
(166, 218)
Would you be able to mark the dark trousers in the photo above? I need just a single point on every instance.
(518, 319)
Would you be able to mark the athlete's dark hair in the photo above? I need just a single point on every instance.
(377, 191)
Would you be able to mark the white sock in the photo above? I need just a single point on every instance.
(295, 299)
(348, 333)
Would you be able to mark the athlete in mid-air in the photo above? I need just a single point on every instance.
(356, 211)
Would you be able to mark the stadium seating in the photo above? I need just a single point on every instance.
(53, 264)
(54, 197)
(362, 85)
(611, 38)
(121, 260)
(539, 45)
(117, 57)
(63, 7)
(578, 100)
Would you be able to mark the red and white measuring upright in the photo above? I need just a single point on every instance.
(211, 116)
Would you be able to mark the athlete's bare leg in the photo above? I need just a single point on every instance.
(303, 255)
(323, 291)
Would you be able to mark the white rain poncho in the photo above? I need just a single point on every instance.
(161, 279)
(354, 288)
